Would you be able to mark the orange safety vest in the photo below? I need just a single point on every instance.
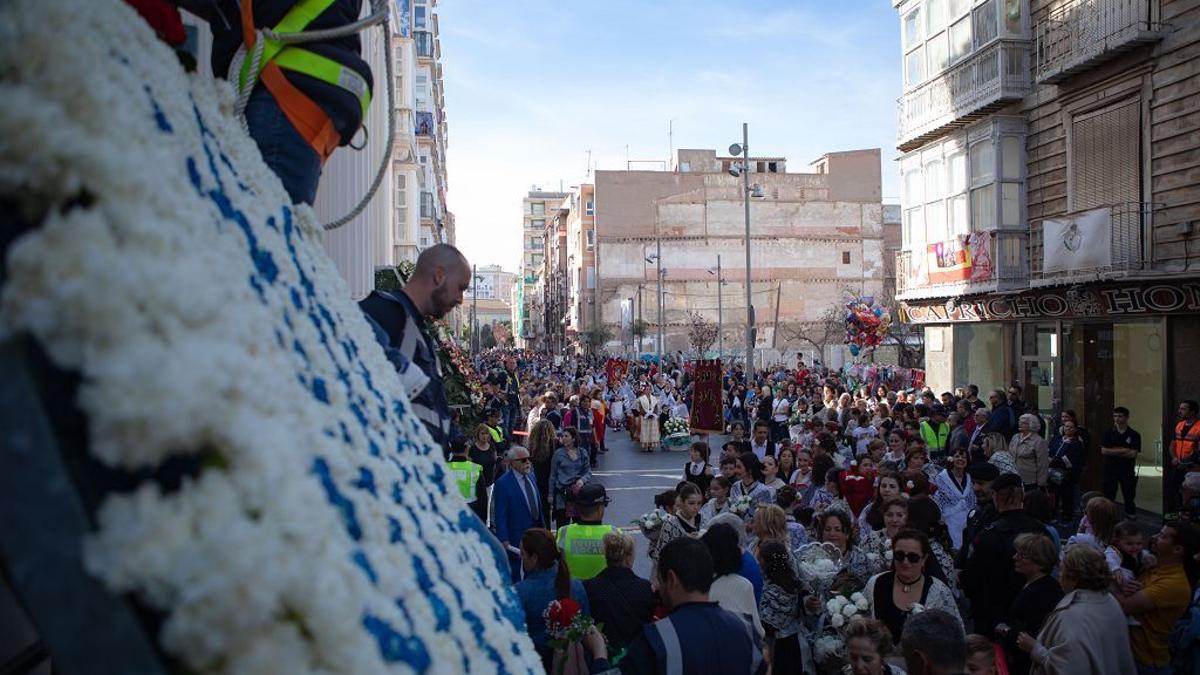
(309, 120)
(1187, 440)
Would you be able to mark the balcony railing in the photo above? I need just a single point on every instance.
(425, 125)
(424, 42)
(999, 261)
(1084, 33)
(427, 205)
(1126, 225)
(985, 81)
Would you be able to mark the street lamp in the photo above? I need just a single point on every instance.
(475, 311)
(720, 310)
(656, 258)
(748, 191)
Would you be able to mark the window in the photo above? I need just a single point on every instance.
(535, 243)
(1012, 17)
(939, 54)
(985, 23)
(539, 209)
(958, 8)
(912, 28)
(960, 222)
(913, 189)
(538, 223)
(914, 67)
(1104, 157)
(1010, 151)
(934, 180)
(401, 205)
(935, 16)
(983, 208)
(1010, 204)
(420, 16)
(960, 39)
(590, 208)
(983, 163)
(935, 222)
(914, 229)
(591, 277)
(845, 257)
(956, 163)
(537, 260)
(591, 239)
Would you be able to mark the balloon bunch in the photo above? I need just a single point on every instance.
(866, 324)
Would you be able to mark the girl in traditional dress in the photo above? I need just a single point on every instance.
(648, 406)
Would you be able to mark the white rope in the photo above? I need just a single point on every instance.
(378, 18)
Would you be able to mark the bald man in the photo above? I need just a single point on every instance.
(399, 318)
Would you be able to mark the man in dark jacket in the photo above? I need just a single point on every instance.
(697, 637)
(1003, 420)
(285, 149)
(989, 579)
(982, 474)
(620, 600)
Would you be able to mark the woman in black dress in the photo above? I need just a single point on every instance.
(1035, 557)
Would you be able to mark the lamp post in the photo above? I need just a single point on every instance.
(475, 279)
(720, 311)
(656, 258)
(747, 192)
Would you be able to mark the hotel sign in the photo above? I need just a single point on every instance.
(1093, 302)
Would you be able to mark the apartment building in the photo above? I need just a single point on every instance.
(527, 312)
(1050, 196)
(436, 224)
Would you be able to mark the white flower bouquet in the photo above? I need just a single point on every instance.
(841, 608)
(818, 564)
(676, 425)
(739, 505)
(650, 523)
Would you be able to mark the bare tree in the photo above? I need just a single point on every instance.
(701, 334)
(907, 338)
(828, 329)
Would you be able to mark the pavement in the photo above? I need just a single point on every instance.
(632, 478)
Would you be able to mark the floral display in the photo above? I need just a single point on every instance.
(841, 608)
(866, 324)
(168, 268)
(817, 564)
(676, 425)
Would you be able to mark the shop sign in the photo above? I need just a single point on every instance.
(1097, 302)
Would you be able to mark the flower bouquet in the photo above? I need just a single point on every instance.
(567, 625)
(818, 564)
(842, 608)
(829, 645)
(739, 506)
(650, 523)
(677, 432)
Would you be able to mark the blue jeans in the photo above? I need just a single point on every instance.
(283, 148)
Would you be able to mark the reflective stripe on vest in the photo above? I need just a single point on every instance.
(1186, 439)
(583, 548)
(466, 475)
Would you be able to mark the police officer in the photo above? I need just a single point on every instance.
(982, 474)
(582, 542)
(466, 476)
(936, 433)
(989, 579)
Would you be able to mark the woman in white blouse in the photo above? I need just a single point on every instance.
(954, 495)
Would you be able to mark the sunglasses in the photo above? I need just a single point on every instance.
(902, 556)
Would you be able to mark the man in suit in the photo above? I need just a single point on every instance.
(516, 506)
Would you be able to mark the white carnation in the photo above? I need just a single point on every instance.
(837, 620)
(849, 610)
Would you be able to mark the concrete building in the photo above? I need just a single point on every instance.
(1051, 190)
(527, 320)
(491, 283)
(813, 235)
(436, 223)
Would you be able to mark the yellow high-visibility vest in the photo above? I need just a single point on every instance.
(466, 475)
(583, 548)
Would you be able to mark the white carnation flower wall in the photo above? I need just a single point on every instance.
(204, 317)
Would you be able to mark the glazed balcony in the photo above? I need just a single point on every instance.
(982, 83)
(1000, 263)
(1081, 34)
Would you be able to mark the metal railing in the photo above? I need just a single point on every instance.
(1002, 262)
(1128, 223)
(1083, 33)
(995, 74)
(424, 43)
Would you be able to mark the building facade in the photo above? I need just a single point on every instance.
(1051, 184)
(527, 305)
(814, 236)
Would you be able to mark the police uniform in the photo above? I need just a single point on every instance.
(466, 476)
(582, 542)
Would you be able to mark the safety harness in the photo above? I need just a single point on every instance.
(267, 58)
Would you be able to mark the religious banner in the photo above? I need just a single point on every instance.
(948, 261)
(1077, 243)
(615, 370)
(706, 398)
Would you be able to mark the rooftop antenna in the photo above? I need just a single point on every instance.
(626, 156)
(670, 141)
(589, 163)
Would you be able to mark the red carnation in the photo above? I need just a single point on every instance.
(568, 609)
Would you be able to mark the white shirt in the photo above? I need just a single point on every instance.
(735, 593)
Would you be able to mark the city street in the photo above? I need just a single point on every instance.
(632, 478)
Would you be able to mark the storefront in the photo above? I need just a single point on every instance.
(1086, 349)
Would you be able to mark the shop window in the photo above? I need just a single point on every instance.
(1104, 157)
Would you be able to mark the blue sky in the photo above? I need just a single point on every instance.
(532, 85)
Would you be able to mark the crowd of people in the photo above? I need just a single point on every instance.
(906, 505)
(841, 528)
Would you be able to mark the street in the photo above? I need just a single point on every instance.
(632, 478)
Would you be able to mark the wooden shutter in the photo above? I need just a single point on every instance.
(1106, 158)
